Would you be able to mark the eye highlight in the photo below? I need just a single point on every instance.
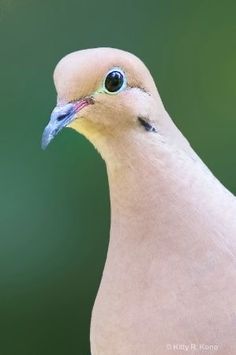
(115, 81)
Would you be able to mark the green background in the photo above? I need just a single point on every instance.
(54, 209)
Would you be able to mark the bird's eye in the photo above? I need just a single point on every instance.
(114, 81)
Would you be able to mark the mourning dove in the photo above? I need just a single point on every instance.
(169, 281)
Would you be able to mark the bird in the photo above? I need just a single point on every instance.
(169, 280)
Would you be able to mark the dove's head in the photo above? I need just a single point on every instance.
(103, 92)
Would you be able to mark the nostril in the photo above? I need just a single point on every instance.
(62, 116)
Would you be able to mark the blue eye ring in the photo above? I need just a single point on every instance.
(115, 81)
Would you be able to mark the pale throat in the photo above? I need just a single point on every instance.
(138, 178)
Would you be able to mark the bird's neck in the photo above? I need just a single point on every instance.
(155, 187)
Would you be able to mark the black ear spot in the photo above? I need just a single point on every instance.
(146, 124)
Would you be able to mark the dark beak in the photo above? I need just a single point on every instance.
(61, 116)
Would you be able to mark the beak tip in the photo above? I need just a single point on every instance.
(46, 139)
(43, 146)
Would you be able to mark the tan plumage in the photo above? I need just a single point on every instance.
(170, 273)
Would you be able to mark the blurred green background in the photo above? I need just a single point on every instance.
(54, 210)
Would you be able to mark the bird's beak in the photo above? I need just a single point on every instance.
(61, 116)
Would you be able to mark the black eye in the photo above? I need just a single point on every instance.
(114, 81)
